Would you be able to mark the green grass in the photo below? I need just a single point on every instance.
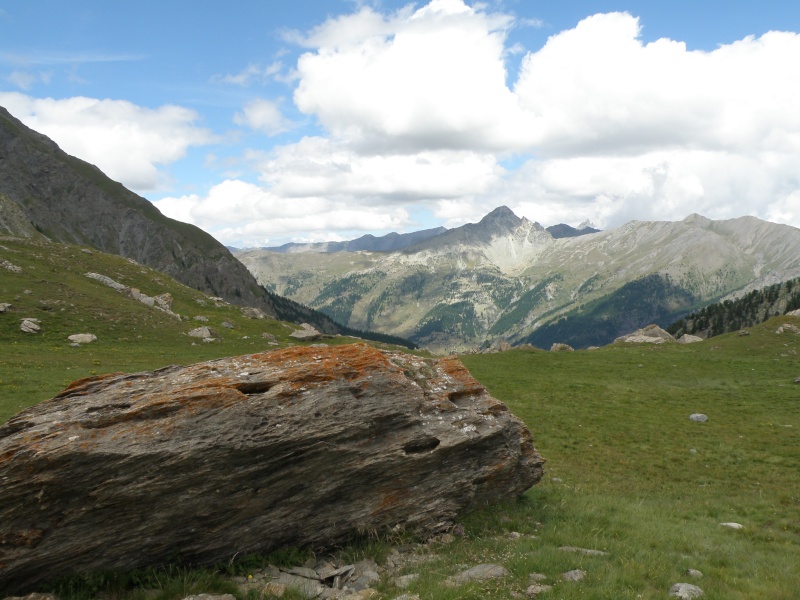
(627, 472)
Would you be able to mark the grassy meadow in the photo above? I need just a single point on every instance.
(627, 472)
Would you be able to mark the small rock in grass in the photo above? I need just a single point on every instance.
(733, 525)
(694, 573)
(480, 573)
(407, 597)
(574, 575)
(82, 338)
(536, 589)
(685, 591)
(537, 577)
(699, 417)
(584, 551)
(30, 325)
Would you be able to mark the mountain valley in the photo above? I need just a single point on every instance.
(507, 278)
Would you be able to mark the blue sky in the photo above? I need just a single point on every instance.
(265, 122)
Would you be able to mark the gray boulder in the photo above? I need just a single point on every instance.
(307, 334)
(30, 325)
(685, 591)
(296, 447)
(82, 338)
(652, 334)
(558, 347)
(205, 333)
(689, 339)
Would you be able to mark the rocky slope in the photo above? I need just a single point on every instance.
(49, 194)
(509, 278)
(71, 201)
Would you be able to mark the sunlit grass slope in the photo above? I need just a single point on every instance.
(52, 287)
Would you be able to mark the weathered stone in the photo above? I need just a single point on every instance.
(201, 318)
(205, 333)
(584, 551)
(106, 281)
(306, 334)
(9, 266)
(480, 573)
(558, 347)
(4, 307)
(253, 313)
(537, 588)
(503, 346)
(698, 417)
(694, 573)
(652, 334)
(30, 325)
(685, 591)
(228, 325)
(299, 447)
(689, 339)
(788, 328)
(164, 301)
(793, 313)
(210, 597)
(307, 588)
(82, 338)
(304, 572)
(574, 575)
(732, 525)
(275, 589)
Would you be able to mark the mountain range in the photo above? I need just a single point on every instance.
(508, 278)
(503, 278)
(398, 241)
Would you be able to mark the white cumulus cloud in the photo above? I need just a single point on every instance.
(247, 215)
(263, 115)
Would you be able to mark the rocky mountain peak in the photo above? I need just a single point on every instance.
(502, 215)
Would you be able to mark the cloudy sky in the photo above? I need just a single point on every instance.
(296, 120)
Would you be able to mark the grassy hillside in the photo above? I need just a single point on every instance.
(628, 473)
(53, 288)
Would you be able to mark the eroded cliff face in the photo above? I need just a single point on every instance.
(302, 446)
(71, 201)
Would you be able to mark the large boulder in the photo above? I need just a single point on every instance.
(652, 334)
(299, 447)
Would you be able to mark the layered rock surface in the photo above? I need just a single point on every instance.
(302, 446)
